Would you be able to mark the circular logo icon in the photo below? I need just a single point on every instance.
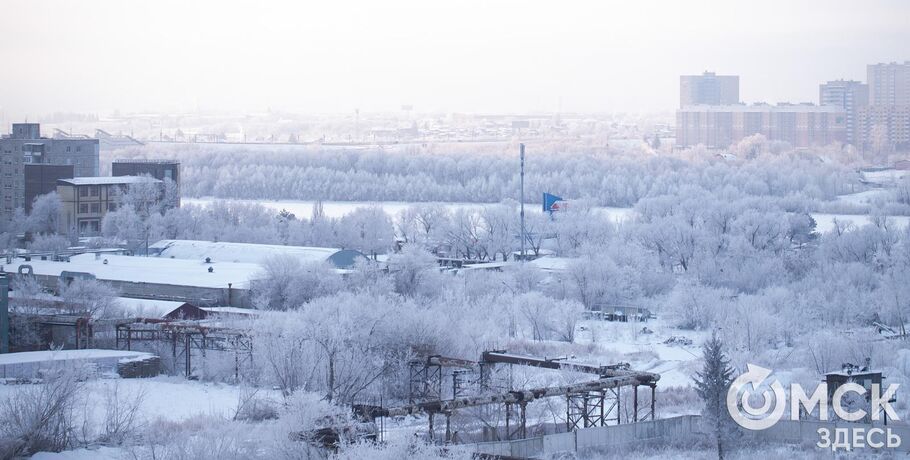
(739, 399)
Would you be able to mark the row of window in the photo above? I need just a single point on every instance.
(93, 190)
(86, 226)
(95, 208)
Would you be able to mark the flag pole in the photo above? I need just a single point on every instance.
(521, 200)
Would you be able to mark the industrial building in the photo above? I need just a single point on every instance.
(162, 170)
(25, 145)
(87, 199)
(801, 125)
(708, 89)
(221, 251)
(41, 179)
(203, 273)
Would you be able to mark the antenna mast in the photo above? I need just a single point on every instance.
(521, 199)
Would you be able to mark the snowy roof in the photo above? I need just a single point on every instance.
(220, 251)
(154, 270)
(147, 308)
(62, 355)
(232, 311)
(550, 263)
(801, 108)
(109, 180)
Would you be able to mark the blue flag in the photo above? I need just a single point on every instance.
(551, 203)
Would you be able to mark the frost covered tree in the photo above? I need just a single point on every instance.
(711, 385)
(96, 298)
(368, 229)
(411, 269)
(45, 214)
(286, 283)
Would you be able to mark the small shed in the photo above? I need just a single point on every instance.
(864, 376)
(187, 311)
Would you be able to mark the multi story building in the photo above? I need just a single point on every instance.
(25, 145)
(86, 200)
(850, 95)
(708, 88)
(883, 127)
(885, 123)
(42, 178)
(801, 125)
(889, 84)
(163, 170)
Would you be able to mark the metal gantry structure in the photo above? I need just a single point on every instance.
(588, 404)
(183, 338)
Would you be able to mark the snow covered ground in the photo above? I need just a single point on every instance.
(27, 364)
(867, 197)
(885, 176)
(338, 209)
(647, 351)
(825, 222)
(163, 398)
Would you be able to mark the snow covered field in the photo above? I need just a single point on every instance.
(173, 399)
(337, 209)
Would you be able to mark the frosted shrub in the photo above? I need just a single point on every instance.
(41, 417)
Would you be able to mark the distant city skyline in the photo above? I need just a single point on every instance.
(474, 57)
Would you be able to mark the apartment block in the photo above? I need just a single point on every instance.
(850, 95)
(25, 145)
(709, 89)
(801, 125)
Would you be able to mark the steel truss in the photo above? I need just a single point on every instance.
(184, 338)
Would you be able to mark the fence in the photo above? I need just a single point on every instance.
(668, 429)
(615, 435)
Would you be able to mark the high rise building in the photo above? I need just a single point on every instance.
(719, 126)
(850, 95)
(889, 84)
(883, 128)
(708, 89)
(25, 145)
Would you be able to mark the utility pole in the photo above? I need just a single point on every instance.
(521, 200)
(4, 313)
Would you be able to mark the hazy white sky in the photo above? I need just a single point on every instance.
(471, 56)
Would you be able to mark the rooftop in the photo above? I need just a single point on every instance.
(154, 270)
(220, 251)
(146, 161)
(802, 108)
(108, 180)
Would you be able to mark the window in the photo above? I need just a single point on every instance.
(78, 148)
(93, 190)
(96, 208)
(83, 191)
(83, 208)
(68, 148)
(112, 206)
